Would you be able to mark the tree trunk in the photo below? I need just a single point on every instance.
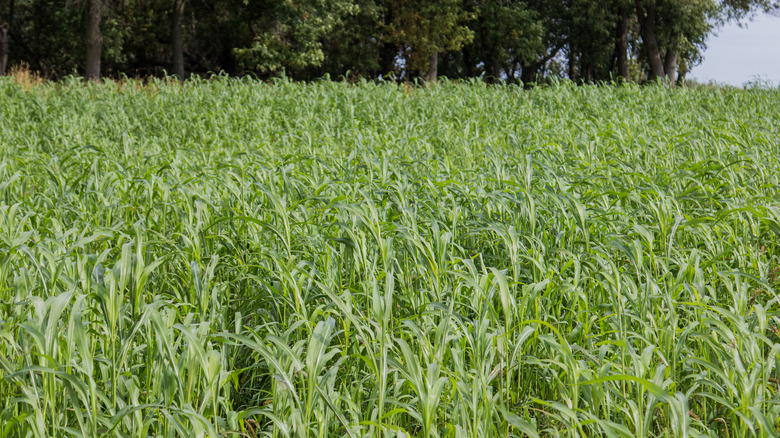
(445, 66)
(528, 74)
(682, 70)
(387, 55)
(94, 39)
(572, 65)
(3, 47)
(670, 66)
(433, 67)
(589, 74)
(5, 29)
(468, 64)
(177, 46)
(645, 12)
(622, 43)
(495, 71)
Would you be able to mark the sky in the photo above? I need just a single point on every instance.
(736, 55)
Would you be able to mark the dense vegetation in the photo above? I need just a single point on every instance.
(498, 40)
(232, 257)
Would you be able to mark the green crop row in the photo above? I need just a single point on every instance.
(233, 258)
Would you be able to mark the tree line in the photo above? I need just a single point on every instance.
(499, 40)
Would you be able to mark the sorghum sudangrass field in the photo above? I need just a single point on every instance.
(232, 258)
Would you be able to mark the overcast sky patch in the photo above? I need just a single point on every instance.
(737, 55)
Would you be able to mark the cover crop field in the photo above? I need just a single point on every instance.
(232, 258)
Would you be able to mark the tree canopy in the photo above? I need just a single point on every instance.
(499, 40)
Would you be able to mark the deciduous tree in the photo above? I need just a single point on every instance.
(506, 32)
(289, 34)
(424, 30)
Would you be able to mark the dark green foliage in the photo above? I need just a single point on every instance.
(288, 35)
(425, 29)
(506, 33)
(512, 40)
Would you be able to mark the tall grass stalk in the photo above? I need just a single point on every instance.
(232, 258)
